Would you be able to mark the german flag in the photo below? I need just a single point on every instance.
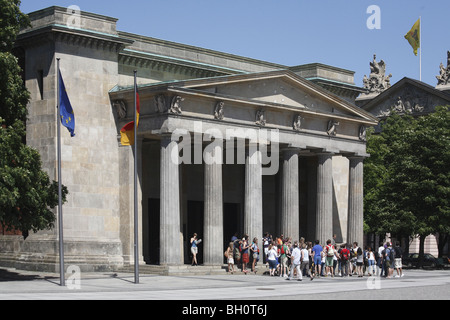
(127, 132)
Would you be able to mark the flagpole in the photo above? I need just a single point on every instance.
(420, 46)
(136, 224)
(60, 215)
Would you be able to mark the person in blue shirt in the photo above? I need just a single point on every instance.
(317, 251)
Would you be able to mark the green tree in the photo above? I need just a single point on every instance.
(408, 178)
(26, 193)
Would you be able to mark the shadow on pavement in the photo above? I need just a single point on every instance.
(8, 275)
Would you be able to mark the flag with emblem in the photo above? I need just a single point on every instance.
(413, 36)
(65, 108)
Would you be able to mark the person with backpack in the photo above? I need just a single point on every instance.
(359, 261)
(398, 260)
(389, 256)
(330, 253)
(344, 255)
(284, 253)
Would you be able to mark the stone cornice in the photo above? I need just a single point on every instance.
(71, 36)
(162, 63)
(199, 51)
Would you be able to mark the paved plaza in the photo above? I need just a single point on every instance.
(416, 284)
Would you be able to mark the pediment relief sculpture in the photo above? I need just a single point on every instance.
(408, 103)
(332, 128)
(363, 133)
(160, 103)
(260, 118)
(219, 113)
(298, 123)
(175, 107)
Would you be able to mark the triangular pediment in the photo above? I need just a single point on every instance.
(278, 88)
(407, 96)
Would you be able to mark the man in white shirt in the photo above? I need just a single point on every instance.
(295, 262)
(304, 261)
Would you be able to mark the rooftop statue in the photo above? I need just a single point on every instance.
(377, 81)
(444, 74)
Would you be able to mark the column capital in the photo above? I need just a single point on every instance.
(323, 156)
(355, 160)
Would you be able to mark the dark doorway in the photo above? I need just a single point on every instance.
(195, 220)
(154, 231)
(232, 222)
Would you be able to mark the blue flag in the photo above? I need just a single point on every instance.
(65, 108)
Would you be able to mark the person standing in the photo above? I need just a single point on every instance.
(194, 248)
(284, 252)
(380, 262)
(255, 254)
(398, 260)
(266, 242)
(359, 261)
(389, 260)
(330, 254)
(272, 259)
(245, 256)
(229, 257)
(304, 261)
(371, 262)
(344, 259)
(295, 262)
(317, 251)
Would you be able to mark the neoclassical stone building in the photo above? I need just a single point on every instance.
(290, 139)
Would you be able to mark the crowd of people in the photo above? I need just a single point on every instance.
(286, 258)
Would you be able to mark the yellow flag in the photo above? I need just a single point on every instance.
(413, 36)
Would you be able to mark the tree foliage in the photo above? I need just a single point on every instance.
(407, 178)
(26, 193)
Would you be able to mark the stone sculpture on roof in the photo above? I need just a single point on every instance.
(377, 82)
(444, 75)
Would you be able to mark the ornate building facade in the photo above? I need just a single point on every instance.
(288, 144)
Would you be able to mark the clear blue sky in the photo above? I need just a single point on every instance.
(290, 32)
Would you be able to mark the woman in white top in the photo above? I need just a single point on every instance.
(371, 261)
(272, 256)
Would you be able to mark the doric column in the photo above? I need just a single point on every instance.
(170, 252)
(290, 195)
(355, 231)
(253, 215)
(213, 221)
(324, 208)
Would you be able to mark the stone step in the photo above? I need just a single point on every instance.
(183, 270)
